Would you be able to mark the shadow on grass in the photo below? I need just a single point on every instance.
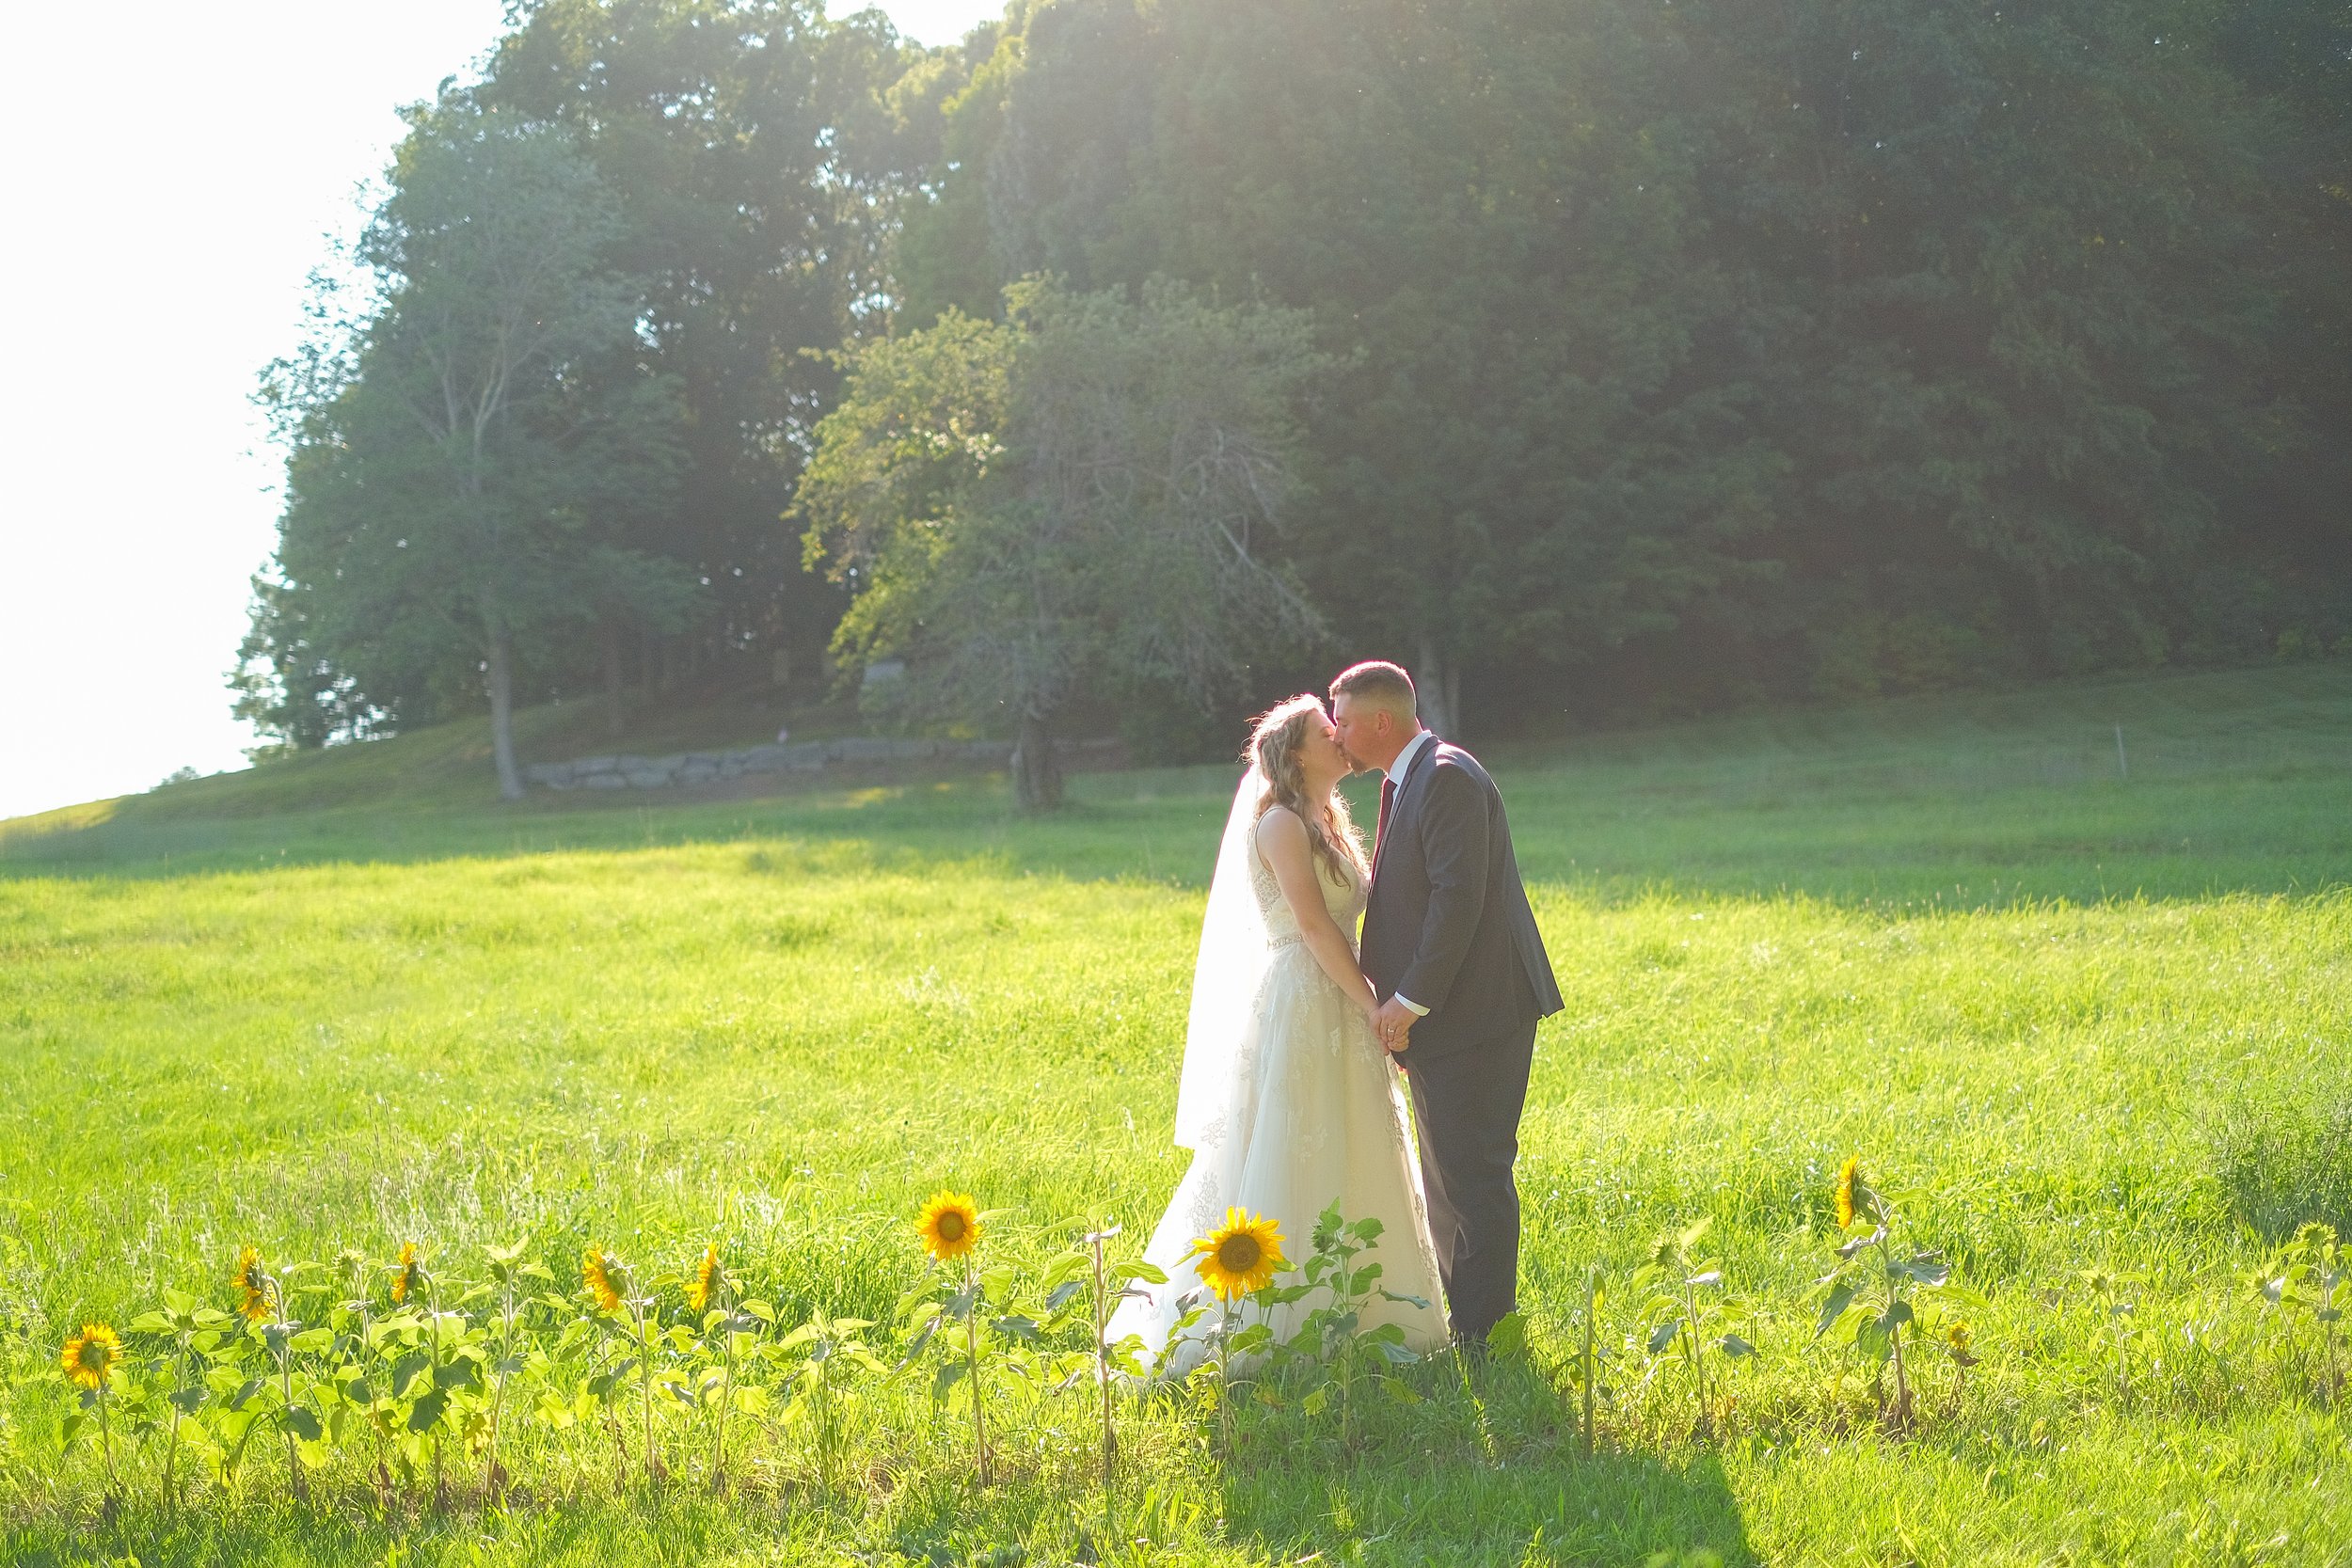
(2236, 784)
(1490, 1472)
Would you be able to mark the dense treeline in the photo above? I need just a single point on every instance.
(1666, 353)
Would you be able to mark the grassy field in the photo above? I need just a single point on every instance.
(2091, 1010)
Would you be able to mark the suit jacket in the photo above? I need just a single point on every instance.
(1447, 922)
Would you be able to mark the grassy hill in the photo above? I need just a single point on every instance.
(2229, 779)
(2088, 1016)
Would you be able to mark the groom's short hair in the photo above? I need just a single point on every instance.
(1377, 682)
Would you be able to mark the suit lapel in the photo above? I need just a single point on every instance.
(1396, 807)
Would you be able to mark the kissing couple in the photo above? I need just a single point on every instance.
(1301, 1036)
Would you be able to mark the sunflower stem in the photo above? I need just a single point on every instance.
(727, 1397)
(644, 1384)
(1591, 1305)
(492, 1478)
(285, 1385)
(972, 1351)
(105, 1439)
(440, 1483)
(1102, 1376)
(171, 1452)
(1225, 1382)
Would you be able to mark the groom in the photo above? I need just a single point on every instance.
(1452, 951)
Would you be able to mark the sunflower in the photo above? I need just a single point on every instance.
(89, 1357)
(1241, 1258)
(254, 1282)
(409, 1279)
(604, 1277)
(710, 1278)
(1850, 1180)
(949, 1225)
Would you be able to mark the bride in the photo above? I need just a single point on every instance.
(1287, 1098)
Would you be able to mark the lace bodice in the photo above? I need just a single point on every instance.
(1344, 898)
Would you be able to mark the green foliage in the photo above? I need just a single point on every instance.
(757, 154)
(453, 485)
(1078, 499)
(2311, 1275)
(1684, 1319)
(1718, 350)
(1333, 1348)
(2282, 1150)
(1874, 1295)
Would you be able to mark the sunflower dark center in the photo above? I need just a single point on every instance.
(1239, 1254)
(951, 1226)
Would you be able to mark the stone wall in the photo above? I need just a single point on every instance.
(701, 767)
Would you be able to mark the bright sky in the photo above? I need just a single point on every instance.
(167, 173)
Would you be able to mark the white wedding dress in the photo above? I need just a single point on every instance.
(1289, 1105)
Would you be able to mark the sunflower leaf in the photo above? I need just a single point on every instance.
(1835, 1307)
(1150, 1274)
(1929, 1267)
(427, 1411)
(407, 1369)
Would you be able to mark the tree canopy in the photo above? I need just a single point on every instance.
(1618, 359)
(1083, 497)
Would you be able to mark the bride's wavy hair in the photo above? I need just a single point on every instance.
(1275, 746)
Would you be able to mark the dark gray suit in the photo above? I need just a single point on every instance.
(1448, 926)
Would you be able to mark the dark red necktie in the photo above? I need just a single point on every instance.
(1380, 828)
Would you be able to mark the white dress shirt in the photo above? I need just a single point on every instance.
(1396, 776)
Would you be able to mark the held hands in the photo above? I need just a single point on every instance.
(1393, 1023)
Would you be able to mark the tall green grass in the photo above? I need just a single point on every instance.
(2095, 1019)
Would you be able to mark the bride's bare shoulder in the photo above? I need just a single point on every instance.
(1280, 836)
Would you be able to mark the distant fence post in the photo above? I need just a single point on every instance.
(2123, 767)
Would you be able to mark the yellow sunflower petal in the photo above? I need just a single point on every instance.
(90, 1355)
(949, 1225)
(707, 1281)
(1241, 1257)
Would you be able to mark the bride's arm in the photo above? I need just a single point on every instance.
(1282, 839)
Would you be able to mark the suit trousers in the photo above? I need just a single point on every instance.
(1465, 1114)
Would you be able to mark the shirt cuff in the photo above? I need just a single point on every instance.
(1410, 1006)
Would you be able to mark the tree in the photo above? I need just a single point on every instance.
(288, 688)
(756, 152)
(1077, 498)
(453, 483)
(1729, 350)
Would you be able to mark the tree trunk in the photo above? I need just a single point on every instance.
(501, 681)
(1438, 684)
(615, 707)
(1036, 771)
